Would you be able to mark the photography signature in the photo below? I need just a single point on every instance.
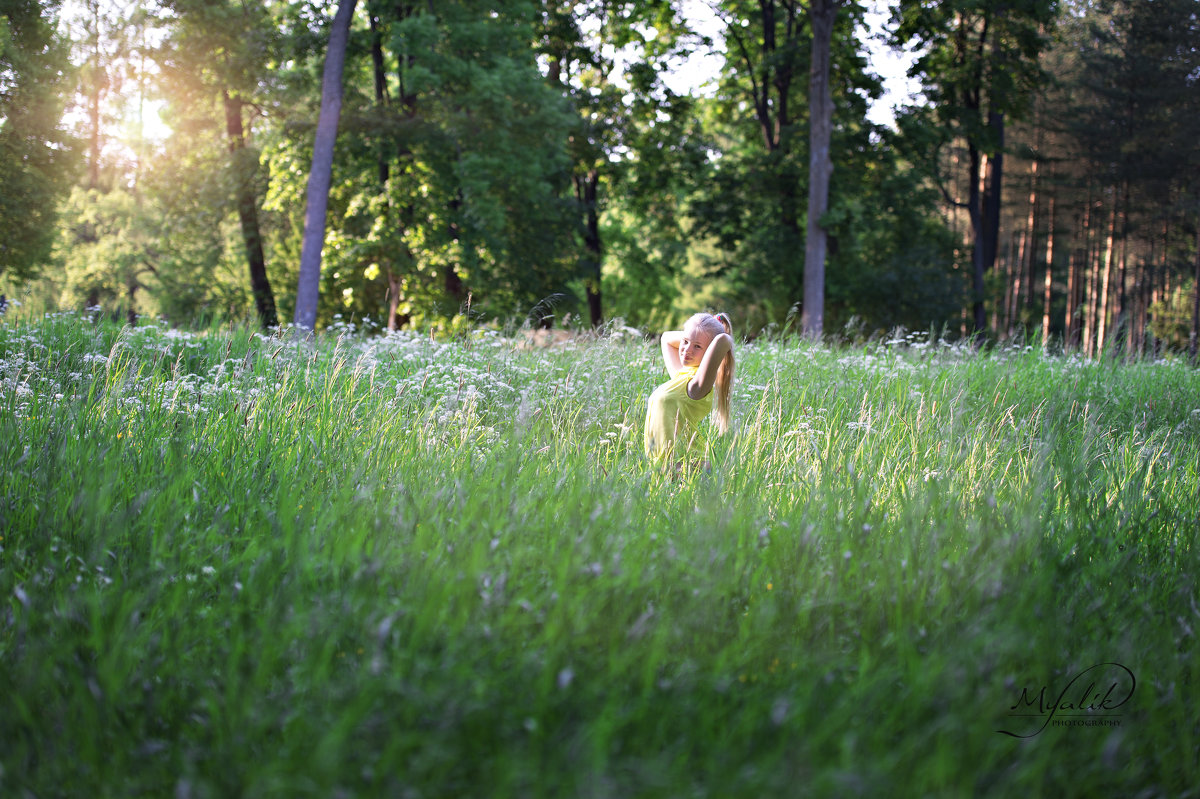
(1088, 699)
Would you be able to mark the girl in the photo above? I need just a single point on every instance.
(698, 358)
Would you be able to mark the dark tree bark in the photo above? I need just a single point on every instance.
(585, 193)
(820, 166)
(452, 281)
(244, 165)
(321, 174)
(978, 261)
(1194, 335)
(381, 96)
(992, 200)
(394, 319)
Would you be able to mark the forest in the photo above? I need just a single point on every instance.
(570, 163)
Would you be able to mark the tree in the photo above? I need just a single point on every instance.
(747, 216)
(36, 161)
(980, 67)
(1119, 144)
(746, 213)
(820, 166)
(220, 50)
(308, 288)
(644, 223)
(585, 44)
(433, 188)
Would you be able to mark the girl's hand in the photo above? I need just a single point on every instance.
(670, 350)
(706, 374)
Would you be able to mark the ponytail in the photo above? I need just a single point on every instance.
(724, 382)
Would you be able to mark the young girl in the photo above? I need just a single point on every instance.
(699, 358)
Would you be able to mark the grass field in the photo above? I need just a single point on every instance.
(235, 565)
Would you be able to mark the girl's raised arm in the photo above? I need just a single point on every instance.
(670, 350)
(706, 375)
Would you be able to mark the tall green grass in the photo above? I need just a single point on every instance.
(234, 564)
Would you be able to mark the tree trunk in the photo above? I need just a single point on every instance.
(1121, 337)
(1153, 285)
(770, 69)
(1194, 335)
(820, 166)
(380, 71)
(975, 214)
(585, 193)
(321, 175)
(132, 284)
(452, 281)
(1090, 265)
(94, 135)
(1071, 316)
(96, 89)
(1105, 283)
(989, 230)
(395, 283)
(243, 167)
(1143, 277)
(1031, 224)
(1016, 257)
(1046, 285)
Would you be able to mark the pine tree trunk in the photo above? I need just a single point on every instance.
(1106, 280)
(1031, 223)
(1194, 335)
(243, 167)
(1154, 286)
(1001, 304)
(1091, 272)
(1048, 282)
(321, 175)
(1143, 288)
(1121, 338)
(1071, 316)
(1018, 279)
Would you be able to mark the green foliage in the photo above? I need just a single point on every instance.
(890, 254)
(646, 241)
(1172, 317)
(980, 58)
(36, 163)
(239, 564)
(516, 159)
(1134, 115)
(472, 143)
(126, 254)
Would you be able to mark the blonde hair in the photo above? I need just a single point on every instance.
(715, 326)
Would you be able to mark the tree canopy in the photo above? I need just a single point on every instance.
(546, 161)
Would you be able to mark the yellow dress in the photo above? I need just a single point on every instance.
(673, 418)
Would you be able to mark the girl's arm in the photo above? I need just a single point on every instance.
(706, 374)
(670, 350)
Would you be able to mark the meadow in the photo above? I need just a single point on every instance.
(391, 565)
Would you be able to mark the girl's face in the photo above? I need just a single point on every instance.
(695, 342)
